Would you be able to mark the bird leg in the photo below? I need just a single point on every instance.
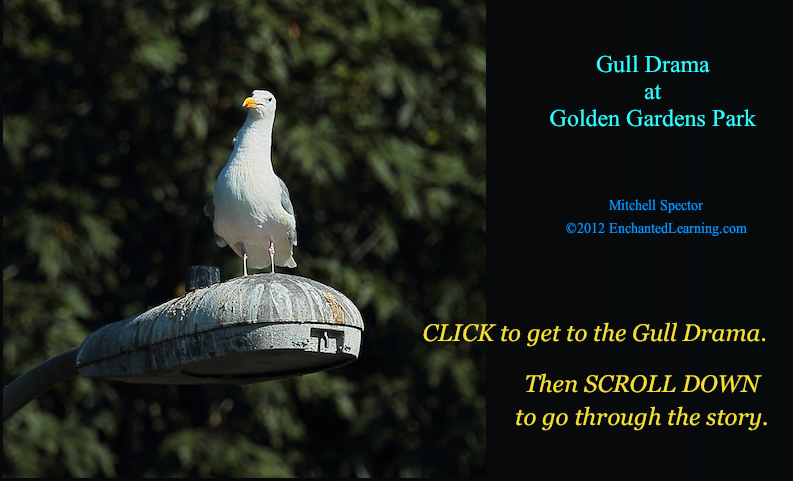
(271, 250)
(244, 259)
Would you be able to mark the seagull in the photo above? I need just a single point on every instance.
(250, 208)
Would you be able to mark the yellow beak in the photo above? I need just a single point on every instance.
(249, 103)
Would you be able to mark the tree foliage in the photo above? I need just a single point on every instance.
(117, 118)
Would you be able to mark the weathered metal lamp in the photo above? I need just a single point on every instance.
(248, 329)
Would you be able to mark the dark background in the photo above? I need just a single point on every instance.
(585, 280)
(117, 119)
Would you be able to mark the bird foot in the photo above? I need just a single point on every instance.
(244, 261)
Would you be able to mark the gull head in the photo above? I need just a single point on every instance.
(261, 103)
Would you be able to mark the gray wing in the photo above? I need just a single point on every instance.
(209, 211)
(286, 203)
